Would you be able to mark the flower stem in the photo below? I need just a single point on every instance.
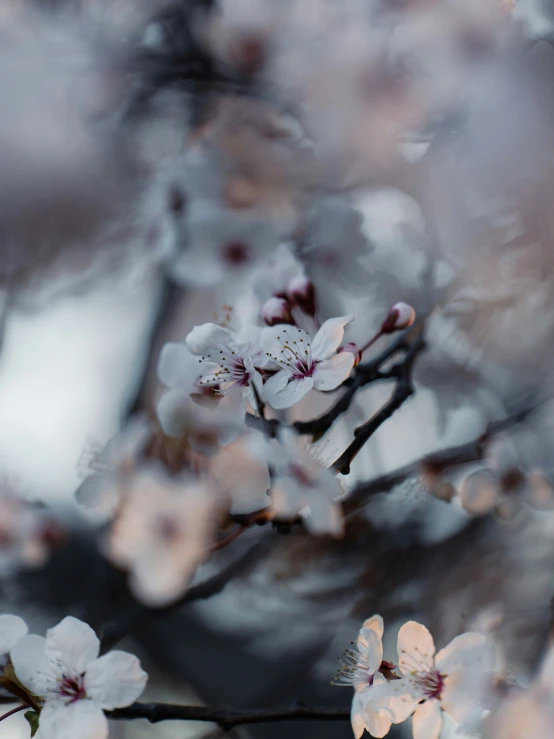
(372, 341)
(222, 543)
(13, 712)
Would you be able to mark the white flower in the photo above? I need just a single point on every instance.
(12, 629)
(360, 669)
(228, 363)
(162, 533)
(273, 278)
(108, 467)
(302, 486)
(188, 409)
(242, 475)
(74, 684)
(454, 680)
(305, 363)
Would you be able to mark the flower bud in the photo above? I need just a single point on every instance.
(301, 293)
(479, 493)
(400, 316)
(277, 310)
(353, 349)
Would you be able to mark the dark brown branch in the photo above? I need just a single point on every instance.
(228, 719)
(454, 456)
(402, 391)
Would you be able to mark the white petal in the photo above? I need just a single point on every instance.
(286, 345)
(12, 629)
(115, 680)
(376, 624)
(329, 337)
(394, 700)
(175, 412)
(330, 373)
(356, 716)
(211, 342)
(463, 651)
(281, 391)
(80, 720)
(428, 720)
(177, 367)
(372, 641)
(415, 648)
(378, 726)
(32, 667)
(323, 516)
(73, 644)
(546, 674)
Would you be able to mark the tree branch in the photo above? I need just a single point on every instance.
(402, 391)
(228, 719)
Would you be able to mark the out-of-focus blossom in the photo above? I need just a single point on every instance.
(27, 533)
(110, 466)
(306, 363)
(241, 473)
(301, 486)
(73, 685)
(454, 680)
(162, 533)
(229, 363)
(188, 409)
(12, 629)
(301, 292)
(360, 667)
(354, 349)
(274, 278)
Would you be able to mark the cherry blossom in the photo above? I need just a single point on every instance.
(188, 409)
(359, 669)
(229, 363)
(305, 363)
(454, 680)
(302, 486)
(162, 532)
(73, 684)
(108, 467)
(274, 278)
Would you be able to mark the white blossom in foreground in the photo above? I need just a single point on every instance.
(188, 410)
(12, 629)
(229, 364)
(455, 680)
(305, 363)
(360, 669)
(162, 533)
(301, 486)
(73, 684)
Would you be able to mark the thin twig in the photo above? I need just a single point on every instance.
(13, 712)
(402, 391)
(228, 719)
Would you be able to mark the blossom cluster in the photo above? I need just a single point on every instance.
(62, 679)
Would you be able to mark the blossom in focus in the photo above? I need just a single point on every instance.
(301, 486)
(454, 680)
(187, 409)
(110, 466)
(162, 533)
(305, 363)
(229, 363)
(73, 684)
(360, 668)
(12, 629)
(400, 316)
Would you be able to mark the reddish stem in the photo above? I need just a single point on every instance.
(222, 543)
(372, 341)
(13, 712)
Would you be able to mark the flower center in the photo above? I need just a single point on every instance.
(72, 688)
(432, 684)
(236, 253)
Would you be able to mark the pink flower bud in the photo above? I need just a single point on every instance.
(301, 293)
(277, 310)
(400, 316)
(353, 349)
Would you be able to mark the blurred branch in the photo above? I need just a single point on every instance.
(444, 459)
(113, 634)
(228, 719)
